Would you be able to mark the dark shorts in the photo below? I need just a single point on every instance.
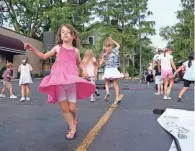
(187, 83)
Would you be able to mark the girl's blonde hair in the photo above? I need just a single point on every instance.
(75, 42)
(88, 57)
(9, 65)
(108, 42)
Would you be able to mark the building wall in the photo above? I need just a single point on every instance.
(33, 60)
(2, 61)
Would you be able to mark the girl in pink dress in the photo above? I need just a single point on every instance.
(91, 67)
(64, 85)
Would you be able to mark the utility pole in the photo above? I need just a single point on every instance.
(140, 54)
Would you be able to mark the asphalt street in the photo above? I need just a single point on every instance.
(38, 126)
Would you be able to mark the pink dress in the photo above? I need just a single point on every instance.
(64, 72)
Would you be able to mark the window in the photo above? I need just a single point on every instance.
(91, 40)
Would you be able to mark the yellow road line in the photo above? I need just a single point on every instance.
(94, 131)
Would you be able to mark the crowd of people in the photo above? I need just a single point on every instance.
(162, 70)
(64, 85)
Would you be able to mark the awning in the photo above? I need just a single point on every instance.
(10, 44)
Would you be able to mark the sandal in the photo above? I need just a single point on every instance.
(97, 93)
(70, 135)
(179, 99)
(68, 129)
(107, 97)
(117, 100)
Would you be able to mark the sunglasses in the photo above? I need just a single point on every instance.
(108, 45)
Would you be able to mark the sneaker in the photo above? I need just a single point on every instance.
(93, 100)
(179, 99)
(111, 85)
(167, 98)
(107, 97)
(27, 98)
(2, 96)
(116, 101)
(157, 93)
(120, 97)
(13, 97)
(97, 93)
(22, 99)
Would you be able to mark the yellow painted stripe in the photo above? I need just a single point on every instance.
(94, 131)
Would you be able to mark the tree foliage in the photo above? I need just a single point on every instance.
(124, 20)
(181, 35)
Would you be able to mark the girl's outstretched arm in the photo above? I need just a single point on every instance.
(38, 53)
(180, 68)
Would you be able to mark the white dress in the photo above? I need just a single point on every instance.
(25, 76)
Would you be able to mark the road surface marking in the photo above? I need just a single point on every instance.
(94, 131)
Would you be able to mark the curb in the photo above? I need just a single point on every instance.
(13, 80)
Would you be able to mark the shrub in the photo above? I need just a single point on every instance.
(1, 72)
(132, 71)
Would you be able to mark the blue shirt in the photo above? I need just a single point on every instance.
(189, 73)
(111, 60)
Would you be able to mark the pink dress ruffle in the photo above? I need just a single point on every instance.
(64, 72)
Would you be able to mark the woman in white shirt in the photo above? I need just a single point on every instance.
(188, 77)
(166, 63)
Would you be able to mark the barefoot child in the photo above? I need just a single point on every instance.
(63, 85)
(91, 66)
(7, 76)
(111, 68)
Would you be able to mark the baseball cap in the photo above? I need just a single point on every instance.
(169, 47)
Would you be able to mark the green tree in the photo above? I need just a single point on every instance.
(28, 17)
(125, 21)
(181, 35)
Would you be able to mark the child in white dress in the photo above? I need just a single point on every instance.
(25, 79)
(111, 72)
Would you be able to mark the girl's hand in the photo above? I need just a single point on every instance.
(28, 46)
(175, 74)
(110, 38)
(94, 60)
(84, 74)
(101, 60)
